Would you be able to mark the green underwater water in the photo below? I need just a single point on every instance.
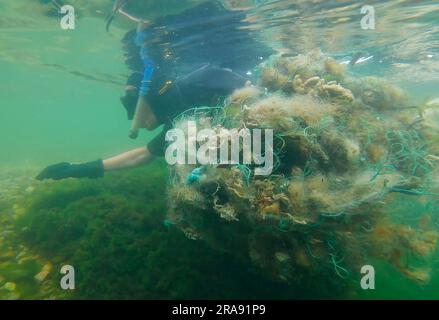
(59, 96)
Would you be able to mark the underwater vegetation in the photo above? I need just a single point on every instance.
(22, 272)
(345, 147)
(115, 233)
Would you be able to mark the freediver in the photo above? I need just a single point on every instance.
(186, 60)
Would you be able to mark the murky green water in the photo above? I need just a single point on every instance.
(59, 93)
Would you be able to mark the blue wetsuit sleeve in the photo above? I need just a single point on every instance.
(148, 65)
(140, 38)
(147, 76)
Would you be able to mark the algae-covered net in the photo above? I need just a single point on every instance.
(344, 146)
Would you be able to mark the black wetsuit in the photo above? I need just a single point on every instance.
(199, 56)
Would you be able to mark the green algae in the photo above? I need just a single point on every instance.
(112, 231)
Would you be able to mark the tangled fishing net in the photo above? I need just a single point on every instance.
(344, 148)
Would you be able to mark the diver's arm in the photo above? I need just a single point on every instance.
(96, 169)
(129, 159)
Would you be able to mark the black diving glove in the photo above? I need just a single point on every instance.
(94, 169)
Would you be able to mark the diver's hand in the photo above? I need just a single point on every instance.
(65, 170)
(56, 172)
